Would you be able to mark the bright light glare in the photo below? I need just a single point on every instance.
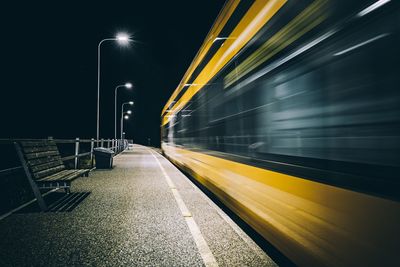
(123, 38)
(128, 85)
(129, 111)
(217, 39)
(222, 38)
(126, 117)
(372, 7)
(130, 102)
(361, 44)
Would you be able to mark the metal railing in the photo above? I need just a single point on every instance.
(117, 145)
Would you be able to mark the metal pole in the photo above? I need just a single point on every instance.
(122, 119)
(98, 90)
(115, 113)
(102, 142)
(122, 124)
(76, 152)
(98, 85)
(91, 151)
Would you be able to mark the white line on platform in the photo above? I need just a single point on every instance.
(250, 242)
(205, 252)
(252, 245)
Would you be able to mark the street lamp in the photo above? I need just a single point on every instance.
(122, 39)
(128, 86)
(124, 116)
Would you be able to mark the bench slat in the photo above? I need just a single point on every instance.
(48, 172)
(39, 161)
(57, 176)
(72, 176)
(41, 154)
(46, 165)
(39, 149)
(37, 143)
(65, 175)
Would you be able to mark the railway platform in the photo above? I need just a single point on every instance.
(143, 212)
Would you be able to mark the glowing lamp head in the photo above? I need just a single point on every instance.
(128, 85)
(123, 38)
(126, 117)
(130, 103)
(129, 112)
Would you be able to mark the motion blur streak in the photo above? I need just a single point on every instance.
(295, 126)
(308, 19)
(259, 14)
(361, 44)
(313, 217)
(215, 31)
(372, 7)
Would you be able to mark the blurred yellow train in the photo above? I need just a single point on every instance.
(290, 115)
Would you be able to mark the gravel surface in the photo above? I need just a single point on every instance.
(130, 218)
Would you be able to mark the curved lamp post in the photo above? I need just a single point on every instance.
(124, 116)
(128, 86)
(122, 39)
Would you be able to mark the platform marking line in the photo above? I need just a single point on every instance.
(252, 244)
(204, 250)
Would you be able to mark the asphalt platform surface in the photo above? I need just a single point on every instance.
(130, 216)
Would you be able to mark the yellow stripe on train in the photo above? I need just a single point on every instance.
(219, 24)
(256, 17)
(314, 224)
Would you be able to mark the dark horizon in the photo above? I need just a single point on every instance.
(49, 57)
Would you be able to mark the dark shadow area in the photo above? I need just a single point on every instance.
(266, 246)
(57, 202)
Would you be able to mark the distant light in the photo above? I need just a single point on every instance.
(128, 85)
(123, 38)
(129, 112)
(361, 44)
(130, 103)
(372, 7)
(126, 117)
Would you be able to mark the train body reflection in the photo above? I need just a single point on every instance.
(290, 114)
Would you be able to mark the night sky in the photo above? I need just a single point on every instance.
(49, 63)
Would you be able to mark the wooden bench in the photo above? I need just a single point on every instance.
(44, 167)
